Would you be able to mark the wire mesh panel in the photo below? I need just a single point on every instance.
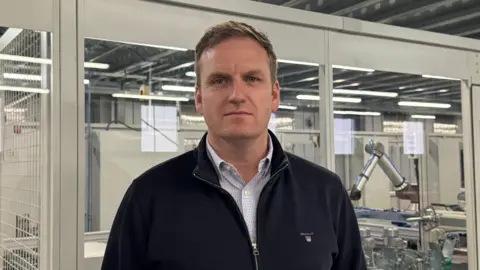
(20, 164)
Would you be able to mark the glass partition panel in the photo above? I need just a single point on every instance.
(297, 122)
(398, 147)
(25, 68)
(139, 99)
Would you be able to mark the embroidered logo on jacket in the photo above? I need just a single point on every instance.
(307, 236)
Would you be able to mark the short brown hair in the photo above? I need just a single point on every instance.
(231, 29)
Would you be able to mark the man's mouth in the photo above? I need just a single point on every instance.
(238, 113)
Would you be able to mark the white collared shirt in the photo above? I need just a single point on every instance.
(246, 195)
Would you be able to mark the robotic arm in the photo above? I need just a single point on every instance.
(403, 189)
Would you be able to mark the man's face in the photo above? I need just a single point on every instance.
(236, 95)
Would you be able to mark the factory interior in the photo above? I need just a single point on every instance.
(383, 93)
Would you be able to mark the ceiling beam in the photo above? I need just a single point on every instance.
(421, 9)
(344, 11)
(294, 3)
(451, 21)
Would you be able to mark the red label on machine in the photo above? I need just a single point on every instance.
(17, 130)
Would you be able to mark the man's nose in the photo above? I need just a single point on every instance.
(237, 91)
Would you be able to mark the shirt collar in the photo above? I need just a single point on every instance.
(219, 162)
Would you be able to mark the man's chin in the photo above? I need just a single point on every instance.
(239, 133)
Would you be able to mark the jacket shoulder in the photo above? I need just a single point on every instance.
(311, 172)
(167, 171)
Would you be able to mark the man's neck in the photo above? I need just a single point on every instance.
(244, 154)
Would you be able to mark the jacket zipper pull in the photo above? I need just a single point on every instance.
(255, 254)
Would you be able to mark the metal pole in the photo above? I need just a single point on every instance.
(45, 183)
(327, 125)
(88, 108)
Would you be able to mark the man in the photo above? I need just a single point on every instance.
(238, 201)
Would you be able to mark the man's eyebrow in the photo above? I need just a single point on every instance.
(219, 74)
(256, 72)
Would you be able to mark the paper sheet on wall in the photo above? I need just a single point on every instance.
(343, 136)
(413, 138)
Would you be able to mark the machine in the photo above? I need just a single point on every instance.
(414, 238)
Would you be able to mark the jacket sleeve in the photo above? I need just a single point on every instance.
(127, 242)
(350, 254)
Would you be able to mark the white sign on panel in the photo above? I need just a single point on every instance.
(343, 142)
(413, 138)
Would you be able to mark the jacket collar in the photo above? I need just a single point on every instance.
(206, 170)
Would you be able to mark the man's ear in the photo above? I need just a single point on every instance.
(198, 100)
(275, 96)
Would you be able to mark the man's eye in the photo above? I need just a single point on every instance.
(218, 81)
(252, 79)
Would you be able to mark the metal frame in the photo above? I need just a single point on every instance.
(325, 21)
(45, 188)
(471, 124)
(36, 15)
(327, 138)
(67, 124)
(398, 56)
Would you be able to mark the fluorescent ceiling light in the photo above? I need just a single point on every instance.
(28, 77)
(339, 81)
(96, 65)
(308, 97)
(15, 110)
(45, 61)
(178, 88)
(308, 79)
(443, 91)
(348, 85)
(354, 68)
(418, 116)
(335, 99)
(24, 89)
(287, 107)
(191, 74)
(10, 57)
(424, 104)
(149, 97)
(364, 93)
(357, 113)
(298, 62)
(440, 77)
(347, 99)
(25, 77)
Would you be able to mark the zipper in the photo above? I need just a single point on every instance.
(254, 245)
(256, 254)
(245, 227)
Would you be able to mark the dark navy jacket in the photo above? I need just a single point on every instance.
(177, 217)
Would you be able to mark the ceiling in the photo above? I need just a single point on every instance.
(130, 66)
(3, 30)
(454, 17)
